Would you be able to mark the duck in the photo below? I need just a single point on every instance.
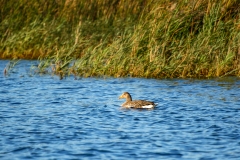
(138, 104)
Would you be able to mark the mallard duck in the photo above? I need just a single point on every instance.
(136, 103)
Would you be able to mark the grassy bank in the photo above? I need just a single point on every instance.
(145, 38)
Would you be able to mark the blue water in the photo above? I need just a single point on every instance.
(42, 117)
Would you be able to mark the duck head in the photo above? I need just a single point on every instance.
(126, 95)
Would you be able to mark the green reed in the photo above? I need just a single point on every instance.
(146, 38)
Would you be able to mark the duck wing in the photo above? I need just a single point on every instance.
(141, 104)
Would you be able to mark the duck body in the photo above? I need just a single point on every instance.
(136, 103)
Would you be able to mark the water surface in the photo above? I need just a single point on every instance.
(42, 117)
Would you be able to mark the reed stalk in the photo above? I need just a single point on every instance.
(145, 38)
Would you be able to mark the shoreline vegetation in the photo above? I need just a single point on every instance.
(145, 38)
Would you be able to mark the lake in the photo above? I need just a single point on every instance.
(42, 117)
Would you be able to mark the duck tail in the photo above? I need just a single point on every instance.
(148, 106)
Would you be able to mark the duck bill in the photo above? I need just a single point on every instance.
(120, 97)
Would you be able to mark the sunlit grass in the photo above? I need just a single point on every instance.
(146, 38)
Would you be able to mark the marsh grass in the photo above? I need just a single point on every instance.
(146, 38)
(9, 67)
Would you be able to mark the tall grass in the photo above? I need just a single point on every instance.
(145, 38)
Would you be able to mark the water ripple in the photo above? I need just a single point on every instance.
(42, 117)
